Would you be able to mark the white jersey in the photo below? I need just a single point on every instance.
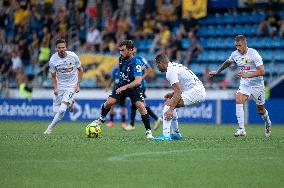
(248, 64)
(179, 73)
(65, 69)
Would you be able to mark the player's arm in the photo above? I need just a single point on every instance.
(54, 82)
(80, 75)
(132, 84)
(176, 95)
(147, 71)
(260, 71)
(226, 64)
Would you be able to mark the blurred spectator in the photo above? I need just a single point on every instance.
(5, 67)
(4, 89)
(94, 39)
(189, 26)
(194, 50)
(174, 48)
(26, 87)
(271, 24)
(207, 82)
(16, 62)
(148, 26)
(161, 38)
(167, 10)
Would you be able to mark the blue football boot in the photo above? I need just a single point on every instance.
(163, 138)
(176, 136)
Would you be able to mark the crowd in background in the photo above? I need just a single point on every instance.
(28, 29)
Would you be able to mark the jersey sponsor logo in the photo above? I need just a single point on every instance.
(245, 68)
(65, 70)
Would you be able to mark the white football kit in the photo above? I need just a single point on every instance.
(67, 77)
(248, 63)
(193, 91)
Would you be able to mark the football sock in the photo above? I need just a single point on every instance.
(146, 121)
(240, 115)
(122, 118)
(58, 116)
(111, 117)
(133, 114)
(104, 112)
(174, 124)
(166, 123)
(151, 113)
(265, 117)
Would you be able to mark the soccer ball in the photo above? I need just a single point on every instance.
(93, 130)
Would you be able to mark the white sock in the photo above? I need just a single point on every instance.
(265, 117)
(240, 115)
(174, 124)
(166, 123)
(58, 116)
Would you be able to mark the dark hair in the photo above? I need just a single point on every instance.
(240, 38)
(161, 58)
(128, 43)
(60, 41)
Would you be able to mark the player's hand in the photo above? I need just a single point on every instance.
(77, 89)
(212, 73)
(169, 114)
(168, 96)
(55, 91)
(121, 89)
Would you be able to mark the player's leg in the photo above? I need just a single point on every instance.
(105, 109)
(122, 113)
(66, 97)
(175, 133)
(145, 118)
(111, 115)
(137, 98)
(131, 125)
(259, 98)
(241, 97)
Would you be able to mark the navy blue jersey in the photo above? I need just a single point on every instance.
(129, 70)
(146, 64)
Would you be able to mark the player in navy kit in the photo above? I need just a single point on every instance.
(146, 69)
(129, 85)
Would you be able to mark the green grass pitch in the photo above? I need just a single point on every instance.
(208, 156)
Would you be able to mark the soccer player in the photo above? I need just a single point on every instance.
(251, 84)
(115, 80)
(66, 73)
(188, 90)
(146, 69)
(129, 85)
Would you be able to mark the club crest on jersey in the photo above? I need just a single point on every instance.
(70, 63)
(246, 61)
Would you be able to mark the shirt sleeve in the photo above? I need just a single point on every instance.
(231, 58)
(137, 69)
(51, 66)
(77, 61)
(257, 59)
(172, 76)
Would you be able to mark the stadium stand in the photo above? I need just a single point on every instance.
(29, 28)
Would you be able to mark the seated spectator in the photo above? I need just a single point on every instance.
(16, 62)
(174, 49)
(93, 39)
(167, 10)
(189, 26)
(271, 24)
(148, 26)
(194, 50)
(161, 38)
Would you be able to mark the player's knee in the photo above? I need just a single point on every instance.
(62, 108)
(260, 109)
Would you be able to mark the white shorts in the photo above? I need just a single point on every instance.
(257, 93)
(63, 95)
(193, 96)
